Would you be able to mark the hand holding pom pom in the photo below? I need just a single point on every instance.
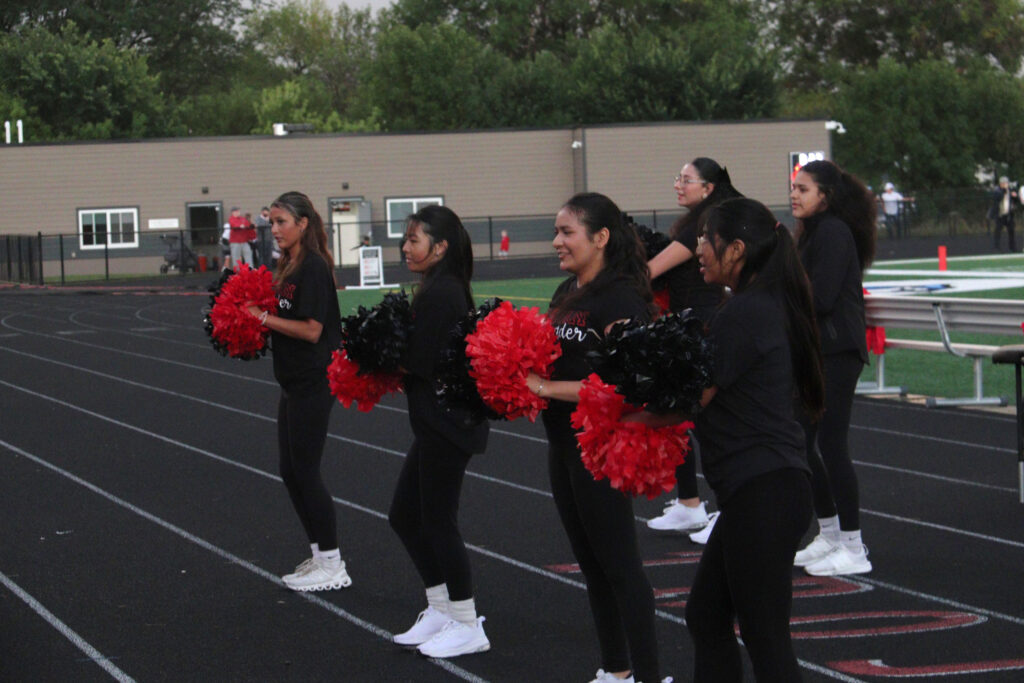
(505, 347)
(233, 330)
(456, 389)
(376, 339)
(635, 458)
(664, 365)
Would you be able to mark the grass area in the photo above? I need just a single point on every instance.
(997, 264)
(524, 292)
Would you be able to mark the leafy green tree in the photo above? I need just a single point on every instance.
(304, 100)
(435, 78)
(929, 124)
(70, 87)
(307, 39)
(189, 43)
(820, 39)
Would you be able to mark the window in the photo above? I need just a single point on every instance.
(400, 209)
(97, 227)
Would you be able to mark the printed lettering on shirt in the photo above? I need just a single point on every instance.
(573, 327)
(285, 293)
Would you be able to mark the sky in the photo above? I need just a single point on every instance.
(359, 4)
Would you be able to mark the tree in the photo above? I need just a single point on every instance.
(929, 124)
(820, 39)
(304, 100)
(70, 87)
(189, 43)
(307, 39)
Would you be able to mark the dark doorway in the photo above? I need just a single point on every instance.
(204, 223)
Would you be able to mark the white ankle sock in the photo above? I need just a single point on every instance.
(463, 611)
(437, 597)
(829, 527)
(851, 541)
(331, 559)
(315, 547)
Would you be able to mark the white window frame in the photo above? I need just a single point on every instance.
(396, 224)
(133, 244)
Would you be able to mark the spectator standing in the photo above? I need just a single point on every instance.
(892, 207)
(225, 247)
(505, 243)
(263, 237)
(241, 235)
(1004, 200)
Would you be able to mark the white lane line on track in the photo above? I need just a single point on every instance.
(234, 559)
(92, 653)
(938, 477)
(380, 515)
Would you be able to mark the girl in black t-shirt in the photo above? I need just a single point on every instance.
(700, 184)
(609, 283)
(306, 329)
(425, 507)
(836, 217)
(767, 358)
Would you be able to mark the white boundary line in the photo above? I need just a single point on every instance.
(92, 653)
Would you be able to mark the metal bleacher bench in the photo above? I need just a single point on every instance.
(944, 315)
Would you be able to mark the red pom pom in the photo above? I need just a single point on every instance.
(232, 327)
(505, 347)
(366, 390)
(635, 458)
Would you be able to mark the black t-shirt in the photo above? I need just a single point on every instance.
(436, 310)
(579, 328)
(310, 292)
(749, 428)
(686, 286)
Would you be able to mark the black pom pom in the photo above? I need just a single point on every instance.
(376, 339)
(455, 389)
(664, 365)
(654, 242)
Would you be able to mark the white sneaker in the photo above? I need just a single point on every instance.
(603, 676)
(679, 517)
(840, 562)
(815, 551)
(319, 578)
(456, 638)
(428, 623)
(303, 567)
(704, 534)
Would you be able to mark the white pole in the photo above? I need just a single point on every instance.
(7, 131)
(21, 138)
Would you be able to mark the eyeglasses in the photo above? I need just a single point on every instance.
(689, 181)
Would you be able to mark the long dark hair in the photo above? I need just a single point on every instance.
(314, 237)
(624, 255)
(849, 200)
(710, 172)
(440, 224)
(772, 263)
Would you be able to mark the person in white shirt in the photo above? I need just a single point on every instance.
(891, 200)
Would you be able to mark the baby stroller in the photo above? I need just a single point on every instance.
(178, 256)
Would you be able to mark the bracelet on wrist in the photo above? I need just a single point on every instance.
(263, 317)
(540, 387)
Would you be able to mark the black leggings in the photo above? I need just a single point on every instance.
(602, 532)
(833, 478)
(686, 474)
(301, 433)
(425, 514)
(746, 575)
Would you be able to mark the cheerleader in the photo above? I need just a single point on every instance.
(425, 507)
(836, 233)
(608, 282)
(766, 353)
(306, 329)
(700, 184)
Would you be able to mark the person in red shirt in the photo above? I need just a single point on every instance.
(242, 233)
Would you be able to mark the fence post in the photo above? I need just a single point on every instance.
(490, 236)
(106, 254)
(181, 250)
(10, 263)
(654, 219)
(60, 245)
(21, 261)
(40, 238)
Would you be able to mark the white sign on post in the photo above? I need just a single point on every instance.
(371, 269)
